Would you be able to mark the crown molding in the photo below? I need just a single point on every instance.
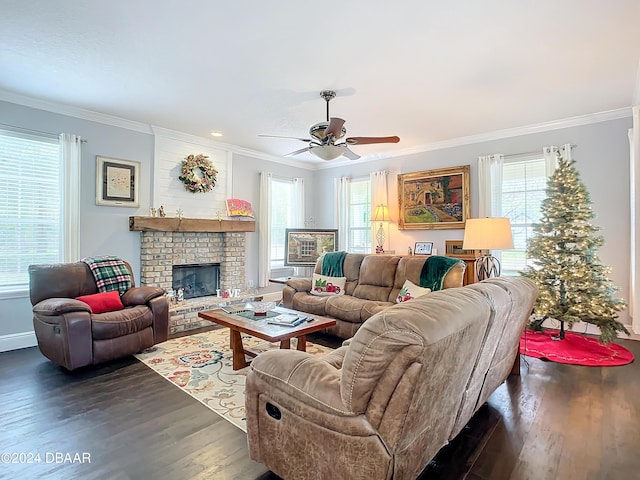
(490, 136)
(234, 149)
(519, 131)
(455, 142)
(74, 112)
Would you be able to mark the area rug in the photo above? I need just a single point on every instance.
(201, 366)
(575, 349)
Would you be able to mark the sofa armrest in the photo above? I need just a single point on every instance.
(307, 378)
(140, 295)
(63, 329)
(160, 309)
(52, 307)
(300, 284)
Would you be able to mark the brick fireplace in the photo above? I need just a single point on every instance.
(165, 242)
(159, 251)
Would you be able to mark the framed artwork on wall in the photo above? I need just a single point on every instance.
(117, 182)
(303, 246)
(434, 198)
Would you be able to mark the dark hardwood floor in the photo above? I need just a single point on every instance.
(554, 422)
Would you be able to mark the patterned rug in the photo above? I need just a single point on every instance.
(201, 366)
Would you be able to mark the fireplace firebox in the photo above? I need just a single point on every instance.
(196, 280)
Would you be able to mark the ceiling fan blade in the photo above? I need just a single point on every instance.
(351, 155)
(302, 150)
(334, 129)
(280, 136)
(366, 140)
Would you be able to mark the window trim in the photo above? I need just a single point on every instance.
(350, 227)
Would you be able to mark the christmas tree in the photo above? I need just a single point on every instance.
(573, 284)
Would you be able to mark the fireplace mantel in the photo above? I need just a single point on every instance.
(174, 224)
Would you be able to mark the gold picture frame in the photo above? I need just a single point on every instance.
(434, 199)
(117, 182)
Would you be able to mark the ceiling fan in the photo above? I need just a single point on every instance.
(323, 137)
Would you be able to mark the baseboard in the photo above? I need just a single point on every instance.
(17, 340)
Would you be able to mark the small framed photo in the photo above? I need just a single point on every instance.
(423, 248)
(117, 182)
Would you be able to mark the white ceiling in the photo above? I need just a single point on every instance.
(425, 70)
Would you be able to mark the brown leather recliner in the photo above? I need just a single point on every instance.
(70, 335)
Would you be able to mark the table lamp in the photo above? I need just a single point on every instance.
(381, 215)
(487, 234)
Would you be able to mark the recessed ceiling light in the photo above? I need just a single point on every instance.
(216, 134)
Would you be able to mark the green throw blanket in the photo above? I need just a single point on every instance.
(434, 271)
(110, 273)
(332, 264)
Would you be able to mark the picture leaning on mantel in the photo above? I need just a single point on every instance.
(117, 182)
(434, 198)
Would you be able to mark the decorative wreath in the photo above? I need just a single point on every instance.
(198, 173)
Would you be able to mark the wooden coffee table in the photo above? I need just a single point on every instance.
(261, 329)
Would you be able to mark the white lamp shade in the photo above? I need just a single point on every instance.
(487, 234)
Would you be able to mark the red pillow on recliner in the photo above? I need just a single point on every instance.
(103, 302)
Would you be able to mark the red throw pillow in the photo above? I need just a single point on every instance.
(103, 302)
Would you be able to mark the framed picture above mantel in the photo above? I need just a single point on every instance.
(434, 199)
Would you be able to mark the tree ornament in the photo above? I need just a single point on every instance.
(198, 173)
(573, 284)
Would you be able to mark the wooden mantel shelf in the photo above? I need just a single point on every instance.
(174, 224)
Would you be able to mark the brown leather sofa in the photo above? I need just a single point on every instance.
(70, 335)
(382, 405)
(373, 282)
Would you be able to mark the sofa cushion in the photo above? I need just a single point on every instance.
(351, 309)
(307, 303)
(377, 275)
(103, 302)
(327, 286)
(410, 290)
(123, 322)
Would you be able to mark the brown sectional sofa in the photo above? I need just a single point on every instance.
(373, 282)
(382, 405)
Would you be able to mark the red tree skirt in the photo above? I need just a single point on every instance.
(575, 349)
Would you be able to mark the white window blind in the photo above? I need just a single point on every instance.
(359, 211)
(281, 217)
(30, 205)
(523, 189)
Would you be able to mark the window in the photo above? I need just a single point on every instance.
(359, 211)
(282, 213)
(31, 183)
(524, 183)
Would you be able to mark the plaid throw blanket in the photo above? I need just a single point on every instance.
(110, 273)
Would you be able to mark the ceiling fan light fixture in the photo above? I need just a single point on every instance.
(327, 152)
